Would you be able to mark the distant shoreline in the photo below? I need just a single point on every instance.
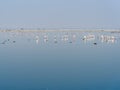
(62, 30)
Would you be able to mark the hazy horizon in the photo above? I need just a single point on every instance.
(83, 14)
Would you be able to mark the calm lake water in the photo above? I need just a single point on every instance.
(59, 61)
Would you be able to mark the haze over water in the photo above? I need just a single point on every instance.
(59, 61)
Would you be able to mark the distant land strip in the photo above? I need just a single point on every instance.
(63, 30)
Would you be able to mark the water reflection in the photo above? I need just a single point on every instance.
(59, 61)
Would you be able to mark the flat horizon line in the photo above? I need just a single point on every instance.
(64, 30)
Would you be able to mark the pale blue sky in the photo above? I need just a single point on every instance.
(60, 13)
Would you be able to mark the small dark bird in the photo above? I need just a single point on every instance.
(95, 43)
(70, 42)
(14, 41)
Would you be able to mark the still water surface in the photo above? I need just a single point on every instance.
(59, 61)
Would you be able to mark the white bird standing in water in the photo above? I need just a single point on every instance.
(65, 37)
(45, 38)
(37, 39)
(106, 38)
(89, 37)
(55, 39)
(73, 37)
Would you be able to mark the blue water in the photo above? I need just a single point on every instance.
(59, 61)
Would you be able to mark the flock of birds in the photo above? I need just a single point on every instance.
(69, 38)
(85, 38)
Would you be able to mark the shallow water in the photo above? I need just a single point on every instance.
(59, 61)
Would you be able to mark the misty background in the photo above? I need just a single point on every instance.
(84, 14)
